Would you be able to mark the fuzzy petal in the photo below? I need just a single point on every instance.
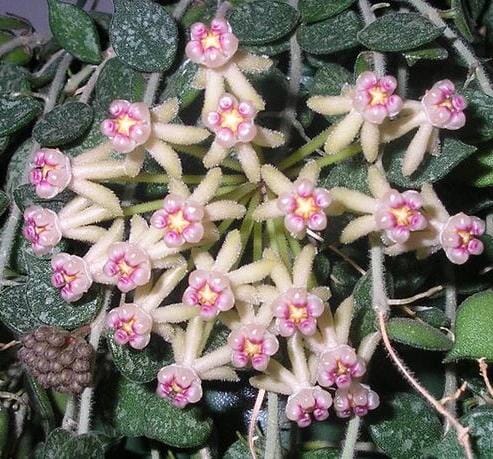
(98, 194)
(343, 133)
(166, 111)
(174, 313)
(359, 227)
(248, 274)
(214, 89)
(216, 155)
(223, 210)
(252, 63)
(268, 138)
(163, 287)
(330, 105)
(370, 140)
(310, 171)
(134, 161)
(249, 162)
(241, 87)
(302, 267)
(206, 190)
(377, 182)
(276, 180)
(99, 153)
(417, 149)
(229, 252)
(354, 200)
(180, 134)
(267, 210)
(342, 320)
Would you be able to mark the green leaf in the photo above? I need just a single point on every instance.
(20, 55)
(473, 325)
(434, 53)
(432, 169)
(64, 124)
(398, 32)
(17, 165)
(418, 334)
(143, 35)
(406, 426)
(61, 444)
(461, 19)
(15, 312)
(17, 112)
(330, 79)
(11, 22)
(433, 316)
(4, 202)
(14, 79)
(42, 404)
(25, 195)
(318, 10)
(260, 22)
(323, 453)
(140, 412)
(180, 84)
(270, 49)
(352, 173)
(480, 423)
(75, 31)
(334, 34)
(4, 429)
(479, 126)
(140, 366)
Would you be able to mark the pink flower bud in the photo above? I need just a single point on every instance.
(339, 366)
(131, 324)
(307, 405)
(50, 172)
(41, 229)
(71, 276)
(179, 384)
(355, 399)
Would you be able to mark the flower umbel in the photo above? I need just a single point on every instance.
(131, 324)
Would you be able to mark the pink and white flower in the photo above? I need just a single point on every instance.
(444, 108)
(128, 265)
(307, 405)
(356, 399)
(460, 237)
(210, 292)
(233, 121)
(179, 384)
(297, 310)
(50, 172)
(211, 46)
(42, 229)
(374, 97)
(252, 344)
(129, 125)
(71, 276)
(304, 207)
(181, 220)
(339, 366)
(132, 325)
(398, 214)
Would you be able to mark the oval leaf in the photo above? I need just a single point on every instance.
(261, 22)
(398, 32)
(318, 10)
(64, 124)
(17, 112)
(143, 35)
(334, 34)
(473, 325)
(14, 310)
(74, 30)
(418, 334)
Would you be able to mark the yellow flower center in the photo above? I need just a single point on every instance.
(177, 222)
(207, 296)
(465, 236)
(211, 40)
(46, 169)
(231, 119)
(447, 103)
(305, 207)
(252, 349)
(341, 368)
(176, 388)
(124, 268)
(378, 96)
(297, 314)
(124, 124)
(128, 326)
(402, 215)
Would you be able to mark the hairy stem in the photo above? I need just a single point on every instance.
(305, 150)
(378, 290)
(181, 8)
(152, 87)
(272, 448)
(369, 17)
(91, 83)
(34, 39)
(253, 422)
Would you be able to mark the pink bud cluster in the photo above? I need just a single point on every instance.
(308, 405)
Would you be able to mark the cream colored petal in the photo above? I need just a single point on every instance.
(214, 89)
(74, 206)
(310, 171)
(248, 274)
(229, 253)
(177, 186)
(216, 155)
(249, 161)
(165, 156)
(161, 251)
(174, 313)
(207, 188)
(392, 130)
(323, 293)
(434, 207)
(200, 78)
(230, 318)
(377, 182)
(416, 149)
(180, 134)
(281, 374)
(266, 211)
(267, 293)
(276, 180)
(359, 227)
(98, 250)
(330, 105)
(99, 194)
(303, 266)
(247, 294)
(216, 358)
(138, 226)
(163, 287)
(269, 384)
(343, 133)
(165, 331)
(220, 374)
(368, 345)
(370, 140)
(141, 292)
(178, 345)
(223, 210)
(268, 138)
(134, 161)
(342, 320)
(88, 216)
(251, 63)
(281, 277)
(168, 262)
(166, 111)
(98, 153)
(241, 87)
(90, 233)
(354, 200)
(265, 314)
(102, 170)
(202, 260)
(150, 237)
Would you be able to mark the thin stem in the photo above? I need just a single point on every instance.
(272, 448)
(417, 297)
(234, 179)
(346, 153)
(91, 83)
(483, 370)
(253, 422)
(151, 88)
(458, 43)
(34, 39)
(142, 208)
(75, 80)
(181, 8)
(68, 417)
(369, 17)
(305, 150)
(86, 398)
(257, 241)
(378, 288)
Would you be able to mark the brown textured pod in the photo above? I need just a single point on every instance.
(58, 359)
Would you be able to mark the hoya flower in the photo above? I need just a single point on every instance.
(440, 108)
(232, 121)
(179, 384)
(128, 265)
(131, 325)
(134, 129)
(339, 366)
(71, 275)
(50, 173)
(356, 399)
(302, 204)
(368, 105)
(395, 214)
(308, 404)
(42, 229)
(187, 218)
(252, 345)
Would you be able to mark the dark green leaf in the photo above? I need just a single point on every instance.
(17, 165)
(479, 126)
(64, 124)
(140, 412)
(180, 84)
(461, 19)
(418, 334)
(473, 325)
(16, 112)
(143, 35)
(406, 426)
(332, 35)
(270, 49)
(432, 169)
(61, 444)
(435, 53)
(25, 195)
(20, 56)
(352, 173)
(323, 453)
(260, 22)
(13, 79)
(330, 79)
(11, 22)
(42, 404)
(433, 316)
(4, 202)
(15, 312)
(75, 31)
(398, 32)
(318, 10)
